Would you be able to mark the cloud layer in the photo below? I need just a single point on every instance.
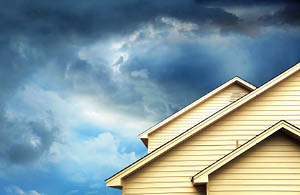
(79, 80)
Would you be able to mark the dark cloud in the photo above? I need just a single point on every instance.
(246, 2)
(52, 25)
(93, 80)
(289, 15)
(35, 33)
(23, 142)
(79, 21)
(157, 73)
(191, 65)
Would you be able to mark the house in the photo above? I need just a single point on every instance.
(237, 139)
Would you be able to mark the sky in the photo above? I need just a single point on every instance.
(80, 79)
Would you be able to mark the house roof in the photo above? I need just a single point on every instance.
(202, 176)
(235, 80)
(116, 180)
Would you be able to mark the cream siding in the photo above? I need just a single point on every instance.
(173, 170)
(195, 115)
(271, 167)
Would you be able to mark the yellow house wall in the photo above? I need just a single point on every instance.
(195, 115)
(271, 167)
(172, 172)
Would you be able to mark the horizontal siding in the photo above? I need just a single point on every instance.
(185, 160)
(195, 115)
(261, 170)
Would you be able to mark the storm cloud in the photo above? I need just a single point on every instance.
(23, 142)
(42, 35)
(289, 15)
(84, 20)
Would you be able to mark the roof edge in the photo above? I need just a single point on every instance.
(202, 176)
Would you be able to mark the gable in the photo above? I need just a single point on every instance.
(214, 138)
(239, 88)
(195, 115)
(269, 167)
(282, 126)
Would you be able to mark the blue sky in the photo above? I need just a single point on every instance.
(81, 79)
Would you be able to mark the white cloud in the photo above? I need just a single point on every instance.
(143, 73)
(16, 190)
(73, 192)
(110, 117)
(12, 190)
(95, 186)
(91, 159)
(92, 192)
(33, 192)
(81, 158)
(179, 26)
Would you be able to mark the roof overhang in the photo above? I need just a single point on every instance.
(235, 80)
(202, 176)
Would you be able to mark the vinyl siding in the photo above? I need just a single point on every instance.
(271, 167)
(173, 170)
(195, 115)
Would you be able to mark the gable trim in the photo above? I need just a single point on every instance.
(116, 179)
(235, 80)
(202, 176)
